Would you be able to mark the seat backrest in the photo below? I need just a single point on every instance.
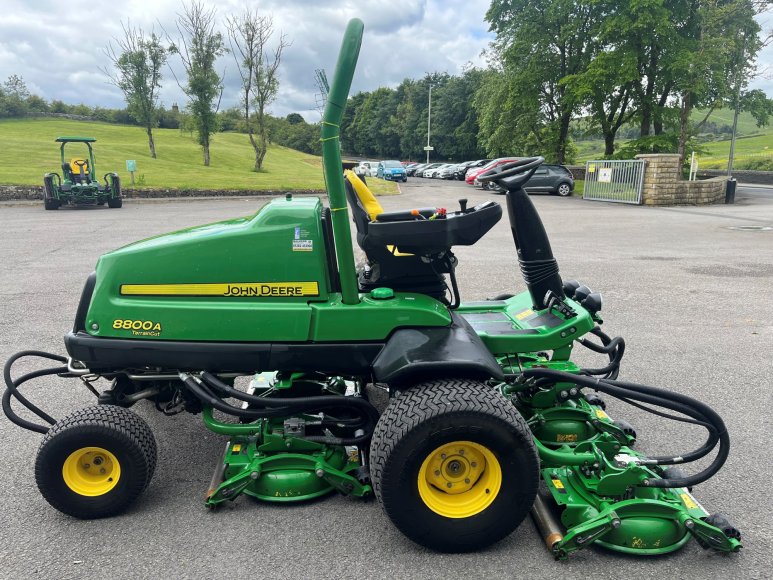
(359, 214)
(78, 164)
(366, 200)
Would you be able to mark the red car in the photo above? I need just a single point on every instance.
(469, 178)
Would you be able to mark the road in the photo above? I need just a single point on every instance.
(691, 296)
(753, 190)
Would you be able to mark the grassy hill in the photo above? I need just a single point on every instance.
(752, 144)
(29, 151)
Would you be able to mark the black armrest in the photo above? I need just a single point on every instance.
(406, 215)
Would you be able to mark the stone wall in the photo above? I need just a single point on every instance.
(741, 175)
(663, 183)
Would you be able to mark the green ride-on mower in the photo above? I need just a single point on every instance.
(78, 184)
(265, 327)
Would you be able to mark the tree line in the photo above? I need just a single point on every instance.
(560, 68)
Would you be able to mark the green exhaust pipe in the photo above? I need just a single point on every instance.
(331, 158)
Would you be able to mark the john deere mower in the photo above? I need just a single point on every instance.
(78, 184)
(266, 328)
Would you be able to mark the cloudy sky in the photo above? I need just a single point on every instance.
(58, 46)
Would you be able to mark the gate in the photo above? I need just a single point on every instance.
(611, 180)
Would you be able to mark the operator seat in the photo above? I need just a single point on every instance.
(386, 265)
(79, 169)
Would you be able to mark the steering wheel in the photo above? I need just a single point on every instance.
(523, 168)
(81, 163)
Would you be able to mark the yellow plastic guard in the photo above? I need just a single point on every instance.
(367, 199)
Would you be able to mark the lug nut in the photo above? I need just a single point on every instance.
(449, 484)
(437, 472)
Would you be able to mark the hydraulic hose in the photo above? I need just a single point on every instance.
(12, 387)
(613, 347)
(662, 398)
(284, 407)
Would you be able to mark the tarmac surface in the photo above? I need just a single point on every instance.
(690, 293)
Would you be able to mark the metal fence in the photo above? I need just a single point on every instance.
(619, 181)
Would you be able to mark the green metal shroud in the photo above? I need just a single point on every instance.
(265, 278)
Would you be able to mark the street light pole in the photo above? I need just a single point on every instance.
(429, 118)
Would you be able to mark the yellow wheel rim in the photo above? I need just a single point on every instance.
(459, 479)
(91, 471)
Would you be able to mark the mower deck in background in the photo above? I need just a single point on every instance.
(488, 418)
(78, 184)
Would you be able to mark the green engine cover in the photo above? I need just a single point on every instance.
(263, 278)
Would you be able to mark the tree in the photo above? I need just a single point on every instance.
(295, 118)
(199, 47)
(250, 35)
(717, 46)
(14, 97)
(137, 61)
(539, 43)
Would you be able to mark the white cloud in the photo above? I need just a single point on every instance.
(59, 48)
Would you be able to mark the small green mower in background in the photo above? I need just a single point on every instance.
(78, 184)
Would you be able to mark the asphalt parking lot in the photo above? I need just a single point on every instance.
(691, 295)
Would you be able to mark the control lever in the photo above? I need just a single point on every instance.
(463, 204)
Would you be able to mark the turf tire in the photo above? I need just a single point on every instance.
(119, 431)
(49, 201)
(420, 420)
(115, 186)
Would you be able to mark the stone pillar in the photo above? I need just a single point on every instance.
(661, 174)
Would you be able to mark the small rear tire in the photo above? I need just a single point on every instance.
(564, 190)
(95, 462)
(454, 465)
(49, 201)
(115, 187)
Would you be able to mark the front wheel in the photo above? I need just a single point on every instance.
(564, 190)
(95, 462)
(454, 465)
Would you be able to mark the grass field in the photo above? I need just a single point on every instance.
(29, 151)
(752, 144)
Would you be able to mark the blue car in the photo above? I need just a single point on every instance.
(391, 171)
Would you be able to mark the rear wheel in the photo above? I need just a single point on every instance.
(49, 201)
(564, 190)
(95, 462)
(454, 465)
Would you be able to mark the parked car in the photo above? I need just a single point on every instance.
(446, 171)
(467, 166)
(411, 171)
(473, 173)
(367, 168)
(435, 173)
(547, 179)
(391, 171)
(428, 169)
